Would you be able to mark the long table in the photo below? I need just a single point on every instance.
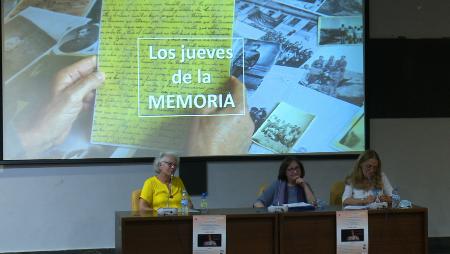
(257, 231)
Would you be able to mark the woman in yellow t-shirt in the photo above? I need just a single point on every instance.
(164, 189)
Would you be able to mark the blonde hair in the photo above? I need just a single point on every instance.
(357, 178)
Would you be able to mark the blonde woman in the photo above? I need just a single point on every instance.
(367, 182)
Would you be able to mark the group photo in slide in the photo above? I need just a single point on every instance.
(120, 79)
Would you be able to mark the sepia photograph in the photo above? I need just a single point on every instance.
(351, 138)
(340, 30)
(26, 42)
(283, 128)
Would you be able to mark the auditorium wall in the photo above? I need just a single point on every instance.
(72, 207)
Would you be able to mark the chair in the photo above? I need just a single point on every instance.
(135, 200)
(262, 188)
(336, 193)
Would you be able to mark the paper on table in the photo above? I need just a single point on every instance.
(127, 26)
(355, 207)
(300, 204)
(374, 205)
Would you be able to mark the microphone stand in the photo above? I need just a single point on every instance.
(170, 190)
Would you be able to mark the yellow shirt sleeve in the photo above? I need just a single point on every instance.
(148, 190)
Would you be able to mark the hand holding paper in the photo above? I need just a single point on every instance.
(226, 135)
(72, 91)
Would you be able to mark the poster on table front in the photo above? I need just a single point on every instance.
(352, 235)
(209, 234)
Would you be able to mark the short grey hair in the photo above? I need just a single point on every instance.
(157, 160)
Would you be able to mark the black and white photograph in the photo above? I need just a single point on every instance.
(283, 128)
(76, 8)
(80, 39)
(294, 29)
(310, 5)
(258, 115)
(29, 38)
(336, 75)
(253, 61)
(341, 8)
(209, 240)
(340, 30)
(352, 235)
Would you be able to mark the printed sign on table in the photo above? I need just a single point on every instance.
(352, 235)
(209, 234)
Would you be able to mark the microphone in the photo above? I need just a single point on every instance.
(170, 186)
(167, 210)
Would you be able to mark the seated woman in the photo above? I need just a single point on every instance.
(164, 189)
(367, 182)
(289, 188)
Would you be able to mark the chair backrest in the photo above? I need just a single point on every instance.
(135, 200)
(262, 188)
(336, 193)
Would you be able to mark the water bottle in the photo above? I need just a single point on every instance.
(395, 198)
(364, 249)
(184, 203)
(377, 192)
(203, 201)
(319, 204)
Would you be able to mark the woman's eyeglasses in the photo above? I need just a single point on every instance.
(170, 164)
(293, 169)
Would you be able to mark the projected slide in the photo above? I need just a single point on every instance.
(120, 79)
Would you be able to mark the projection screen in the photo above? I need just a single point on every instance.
(128, 79)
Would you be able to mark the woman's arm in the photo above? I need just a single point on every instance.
(258, 204)
(146, 197)
(310, 198)
(348, 199)
(309, 194)
(359, 201)
(266, 197)
(144, 206)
